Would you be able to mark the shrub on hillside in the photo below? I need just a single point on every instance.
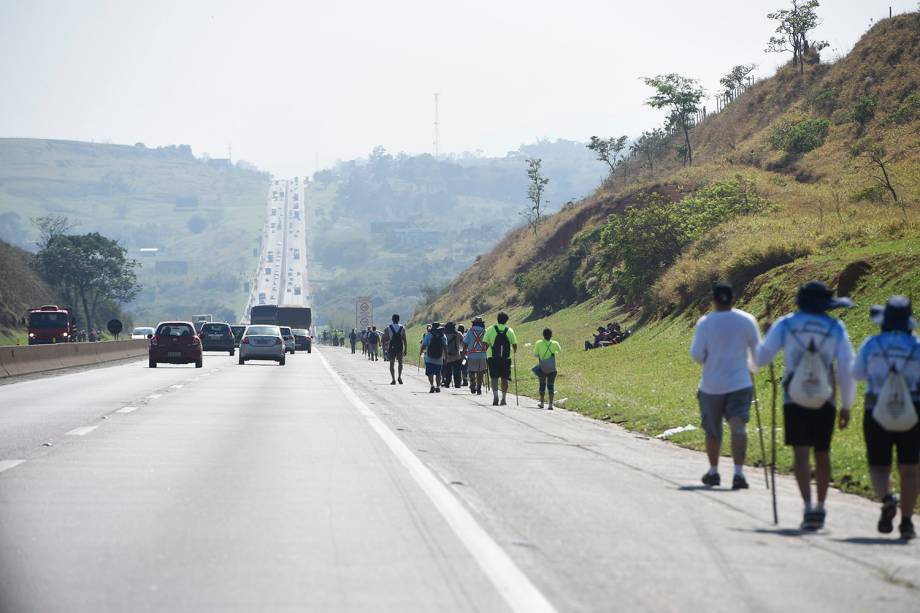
(553, 286)
(864, 109)
(905, 112)
(799, 136)
(826, 100)
(636, 247)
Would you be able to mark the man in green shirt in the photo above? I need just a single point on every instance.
(502, 344)
(545, 351)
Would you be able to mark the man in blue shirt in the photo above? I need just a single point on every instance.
(895, 350)
(812, 330)
(434, 345)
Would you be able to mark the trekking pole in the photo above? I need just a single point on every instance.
(418, 365)
(773, 444)
(517, 399)
(763, 451)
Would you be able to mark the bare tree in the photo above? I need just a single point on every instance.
(51, 226)
(876, 161)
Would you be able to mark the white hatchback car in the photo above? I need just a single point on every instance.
(262, 343)
(141, 332)
(288, 335)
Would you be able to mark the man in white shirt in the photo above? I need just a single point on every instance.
(725, 342)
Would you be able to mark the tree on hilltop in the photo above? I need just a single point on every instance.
(535, 189)
(681, 97)
(736, 77)
(608, 150)
(793, 30)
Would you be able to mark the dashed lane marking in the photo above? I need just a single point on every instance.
(8, 464)
(512, 584)
(81, 431)
(177, 386)
(154, 396)
(126, 409)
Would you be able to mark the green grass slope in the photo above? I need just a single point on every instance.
(205, 215)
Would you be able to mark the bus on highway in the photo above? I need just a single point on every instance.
(50, 324)
(294, 316)
(263, 314)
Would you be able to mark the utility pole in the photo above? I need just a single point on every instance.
(437, 129)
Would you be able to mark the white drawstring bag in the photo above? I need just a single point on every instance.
(810, 386)
(894, 409)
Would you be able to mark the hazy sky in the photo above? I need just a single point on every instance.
(293, 83)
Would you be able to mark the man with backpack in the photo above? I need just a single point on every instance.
(353, 339)
(433, 345)
(464, 373)
(889, 362)
(475, 350)
(394, 339)
(724, 343)
(811, 341)
(453, 357)
(372, 341)
(502, 344)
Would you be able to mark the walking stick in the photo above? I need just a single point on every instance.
(763, 451)
(773, 443)
(517, 399)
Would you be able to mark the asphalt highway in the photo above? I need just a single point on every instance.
(317, 486)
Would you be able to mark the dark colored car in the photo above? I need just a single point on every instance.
(237, 333)
(217, 337)
(175, 342)
(303, 340)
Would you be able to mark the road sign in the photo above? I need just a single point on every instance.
(114, 326)
(364, 312)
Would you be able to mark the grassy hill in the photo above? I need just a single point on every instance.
(775, 197)
(204, 217)
(20, 289)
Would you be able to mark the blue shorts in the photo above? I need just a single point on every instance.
(432, 370)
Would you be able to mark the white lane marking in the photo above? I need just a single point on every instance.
(8, 464)
(81, 431)
(126, 409)
(154, 396)
(519, 593)
(177, 386)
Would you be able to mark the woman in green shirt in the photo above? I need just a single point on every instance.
(545, 350)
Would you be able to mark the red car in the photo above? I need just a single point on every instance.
(175, 342)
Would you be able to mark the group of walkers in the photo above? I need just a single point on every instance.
(455, 355)
(819, 361)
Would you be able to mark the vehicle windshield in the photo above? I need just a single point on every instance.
(48, 320)
(144, 331)
(286, 332)
(214, 329)
(175, 330)
(263, 331)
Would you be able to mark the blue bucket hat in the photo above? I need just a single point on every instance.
(896, 314)
(817, 298)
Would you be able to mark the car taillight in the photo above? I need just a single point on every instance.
(153, 341)
(245, 340)
(65, 334)
(278, 341)
(195, 341)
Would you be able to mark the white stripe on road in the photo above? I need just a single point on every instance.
(177, 386)
(519, 593)
(81, 431)
(8, 464)
(126, 409)
(154, 396)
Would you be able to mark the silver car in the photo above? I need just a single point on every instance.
(288, 335)
(262, 343)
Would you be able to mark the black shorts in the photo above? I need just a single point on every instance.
(805, 427)
(500, 368)
(879, 443)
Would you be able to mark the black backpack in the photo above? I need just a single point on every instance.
(436, 345)
(501, 348)
(453, 344)
(396, 345)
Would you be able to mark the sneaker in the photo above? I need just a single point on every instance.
(539, 405)
(739, 483)
(472, 390)
(712, 479)
(479, 392)
(907, 529)
(431, 391)
(550, 407)
(813, 520)
(889, 511)
(392, 382)
(437, 390)
(503, 403)
(400, 380)
(495, 402)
